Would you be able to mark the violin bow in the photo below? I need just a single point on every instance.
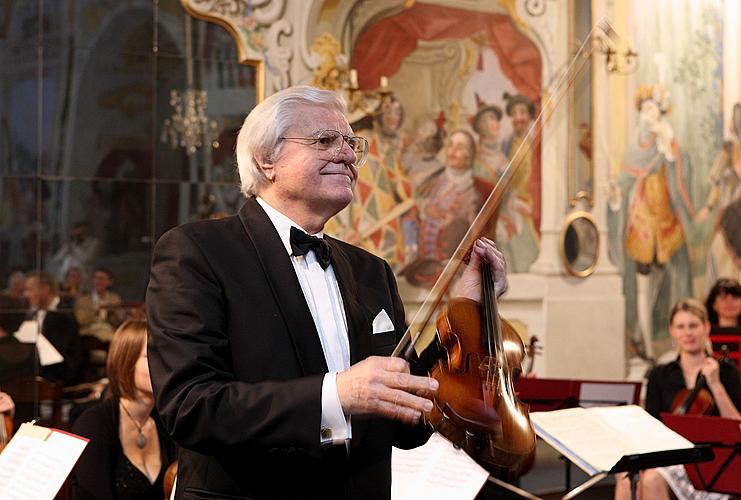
(418, 336)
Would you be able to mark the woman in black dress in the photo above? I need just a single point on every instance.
(690, 330)
(129, 451)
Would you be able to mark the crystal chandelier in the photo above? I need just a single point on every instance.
(189, 127)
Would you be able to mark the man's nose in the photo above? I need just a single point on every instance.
(345, 153)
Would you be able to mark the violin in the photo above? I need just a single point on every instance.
(476, 407)
(698, 400)
(532, 349)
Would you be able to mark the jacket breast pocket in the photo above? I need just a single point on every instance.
(383, 344)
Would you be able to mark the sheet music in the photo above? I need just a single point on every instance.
(644, 435)
(34, 465)
(596, 438)
(29, 334)
(435, 471)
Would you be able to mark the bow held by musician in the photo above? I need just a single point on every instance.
(270, 362)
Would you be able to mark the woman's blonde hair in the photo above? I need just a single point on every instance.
(691, 306)
(125, 349)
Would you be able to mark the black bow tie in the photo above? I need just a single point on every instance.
(301, 243)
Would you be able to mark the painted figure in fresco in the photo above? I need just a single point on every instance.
(649, 211)
(449, 202)
(724, 207)
(420, 158)
(377, 218)
(516, 235)
(490, 158)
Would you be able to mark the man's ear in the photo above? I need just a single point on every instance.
(268, 170)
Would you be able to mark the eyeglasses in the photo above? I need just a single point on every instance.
(332, 140)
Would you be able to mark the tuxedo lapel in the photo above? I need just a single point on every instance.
(285, 287)
(357, 328)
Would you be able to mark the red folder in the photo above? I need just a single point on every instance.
(723, 474)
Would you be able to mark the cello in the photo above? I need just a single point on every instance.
(476, 406)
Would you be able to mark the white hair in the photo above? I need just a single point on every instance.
(259, 138)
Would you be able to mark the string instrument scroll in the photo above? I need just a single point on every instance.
(476, 406)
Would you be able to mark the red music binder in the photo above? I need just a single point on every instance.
(547, 394)
(723, 474)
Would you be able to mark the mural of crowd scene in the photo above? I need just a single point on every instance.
(465, 89)
(671, 205)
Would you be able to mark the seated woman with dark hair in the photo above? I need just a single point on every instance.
(129, 450)
(724, 306)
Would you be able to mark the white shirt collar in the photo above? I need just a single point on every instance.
(283, 224)
(53, 304)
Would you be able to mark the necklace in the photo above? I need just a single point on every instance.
(141, 439)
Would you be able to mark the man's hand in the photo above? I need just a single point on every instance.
(383, 386)
(469, 285)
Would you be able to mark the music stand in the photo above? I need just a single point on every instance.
(722, 475)
(634, 464)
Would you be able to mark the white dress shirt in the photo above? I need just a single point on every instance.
(323, 297)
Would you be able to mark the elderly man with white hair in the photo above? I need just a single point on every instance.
(270, 341)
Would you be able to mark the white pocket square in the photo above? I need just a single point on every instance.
(382, 323)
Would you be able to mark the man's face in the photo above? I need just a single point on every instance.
(458, 152)
(520, 119)
(304, 178)
(38, 295)
(491, 125)
(101, 282)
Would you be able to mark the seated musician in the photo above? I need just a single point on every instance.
(129, 451)
(724, 307)
(690, 329)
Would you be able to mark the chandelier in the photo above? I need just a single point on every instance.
(189, 127)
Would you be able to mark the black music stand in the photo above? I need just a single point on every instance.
(634, 464)
(722, 475)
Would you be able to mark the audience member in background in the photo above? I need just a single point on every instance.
(99, 313)
(16, 358)
(57, 325)
(16, 284)
(80, 250)
(129, 450)
(690, 330)
(724, 306)
(72, 286)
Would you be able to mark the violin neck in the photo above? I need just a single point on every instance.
(492, 329)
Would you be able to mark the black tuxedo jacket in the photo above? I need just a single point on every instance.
(60, 328)
(237, 365)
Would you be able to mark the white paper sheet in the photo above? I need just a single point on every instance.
(36, 462)
(435, 471)
(29, 334)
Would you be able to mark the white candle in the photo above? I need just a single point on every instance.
(353, 78)
(384, 82)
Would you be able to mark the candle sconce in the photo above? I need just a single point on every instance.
(334, 73)
(621, 62)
